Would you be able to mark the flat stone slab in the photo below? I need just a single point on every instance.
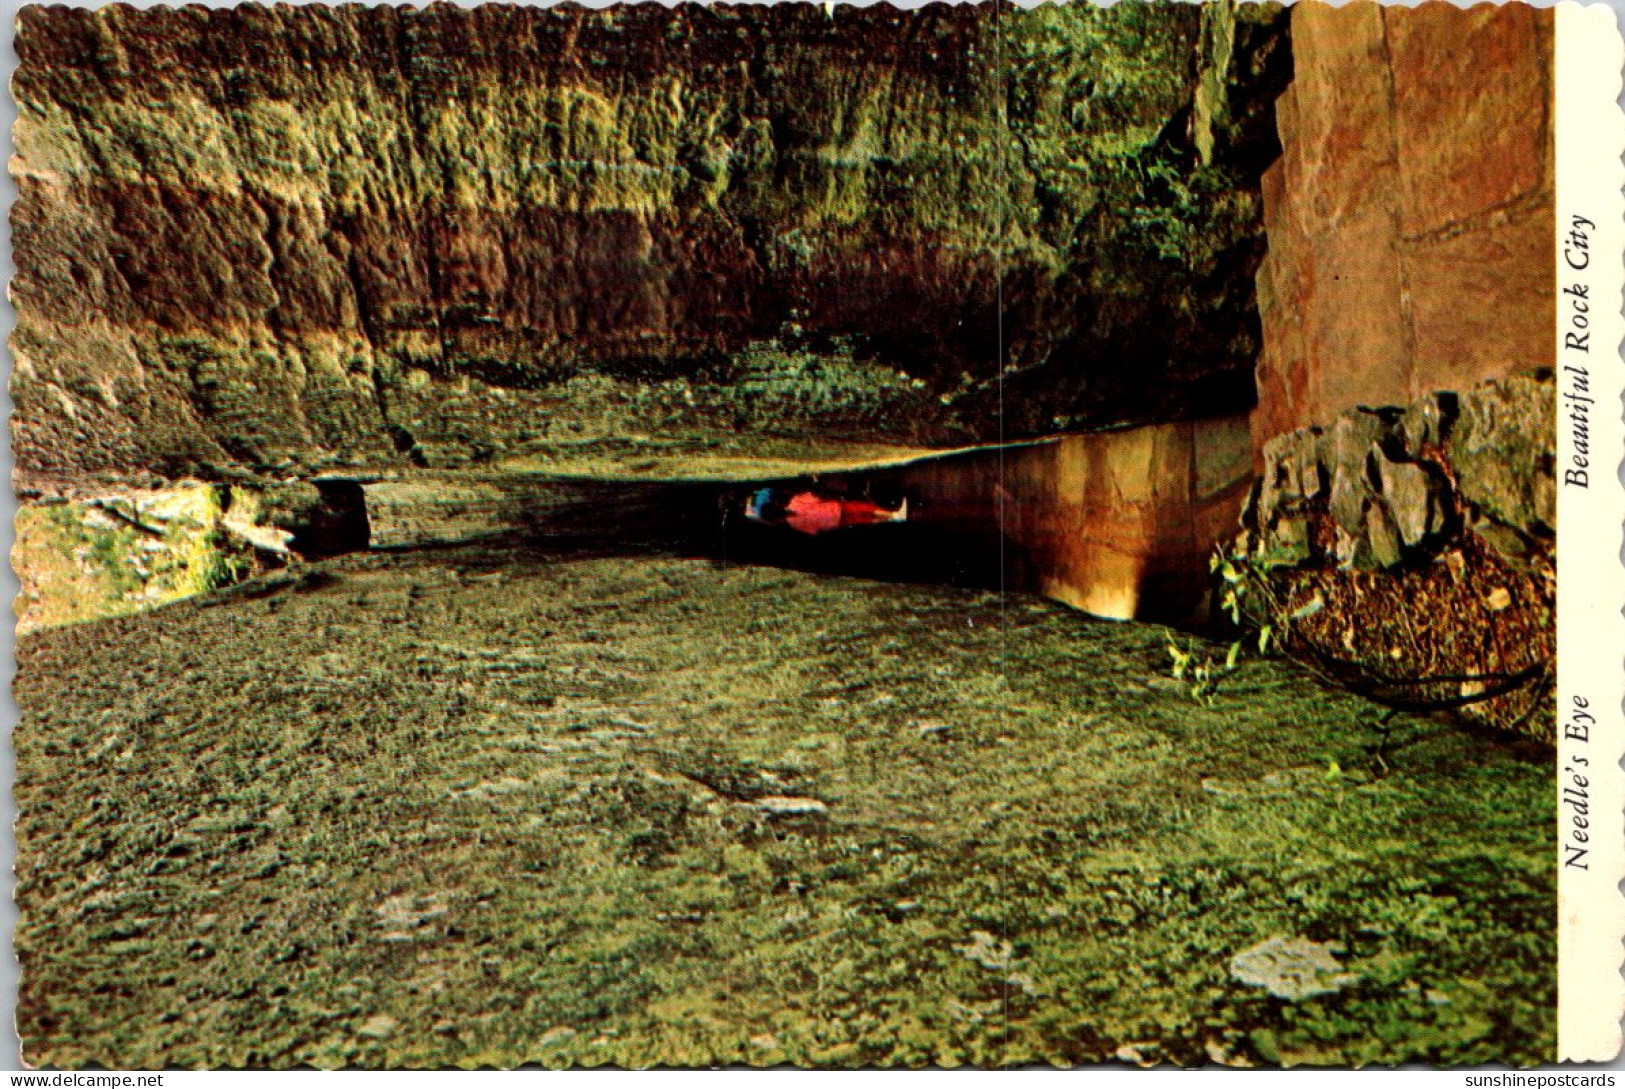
(476, 807)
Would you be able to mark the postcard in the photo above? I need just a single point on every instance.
(817, 535)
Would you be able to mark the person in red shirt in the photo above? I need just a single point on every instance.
(809, 512)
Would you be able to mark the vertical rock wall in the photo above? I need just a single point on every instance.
(1409, 217)
(1401, 535)
(1120, 524)
(295, 239)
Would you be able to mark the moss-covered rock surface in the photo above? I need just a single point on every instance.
(282, 239)
(498, 807)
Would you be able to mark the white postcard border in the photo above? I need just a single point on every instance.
(1589, 135)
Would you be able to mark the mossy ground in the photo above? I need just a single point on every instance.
(486, 807)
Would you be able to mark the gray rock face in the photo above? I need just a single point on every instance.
(1405, 548)
(1400, 482)
(1424, 421)
(1350, 496)
(1292, 968)
(1294, 474)
(1387, 550)
(1415, 498)
(1502, 444)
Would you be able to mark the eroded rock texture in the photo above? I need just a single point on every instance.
(1409, 550)
(1410, 214)
(296, 237)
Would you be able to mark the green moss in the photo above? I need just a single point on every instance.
(520, 818)
(105, 557)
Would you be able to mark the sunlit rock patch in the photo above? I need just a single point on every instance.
(117, 553)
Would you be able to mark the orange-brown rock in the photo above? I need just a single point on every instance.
(1410, 215)
(1120, 524)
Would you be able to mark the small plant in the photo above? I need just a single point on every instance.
(1202, 670)
(1244, 599)
(1242, 578)
(223, 562)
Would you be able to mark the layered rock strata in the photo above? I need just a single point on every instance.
(300, 238)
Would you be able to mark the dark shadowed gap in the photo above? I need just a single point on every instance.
(1116, 524)
(337, 525)
(564, 520)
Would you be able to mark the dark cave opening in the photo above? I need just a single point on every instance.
(335, 525)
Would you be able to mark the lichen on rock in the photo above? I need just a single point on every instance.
(305, 239)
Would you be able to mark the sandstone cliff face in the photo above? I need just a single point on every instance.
(294, 237)
(1410, 216)
(1401, 534)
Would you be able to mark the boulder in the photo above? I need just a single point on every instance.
(1415, 499)
(1502, 447)
(1349, 496)
(1346, 444)
(1386, 547)
(1425, 422)
(1483, 457)
(1293, 476)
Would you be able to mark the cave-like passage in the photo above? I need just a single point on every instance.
(1119, 524)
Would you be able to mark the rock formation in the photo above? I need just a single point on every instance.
(282, 240)
(285, 246)
(1410, 215)
(1398, 481)
(1411, 549)
(1401, 533)
(1119, 524)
